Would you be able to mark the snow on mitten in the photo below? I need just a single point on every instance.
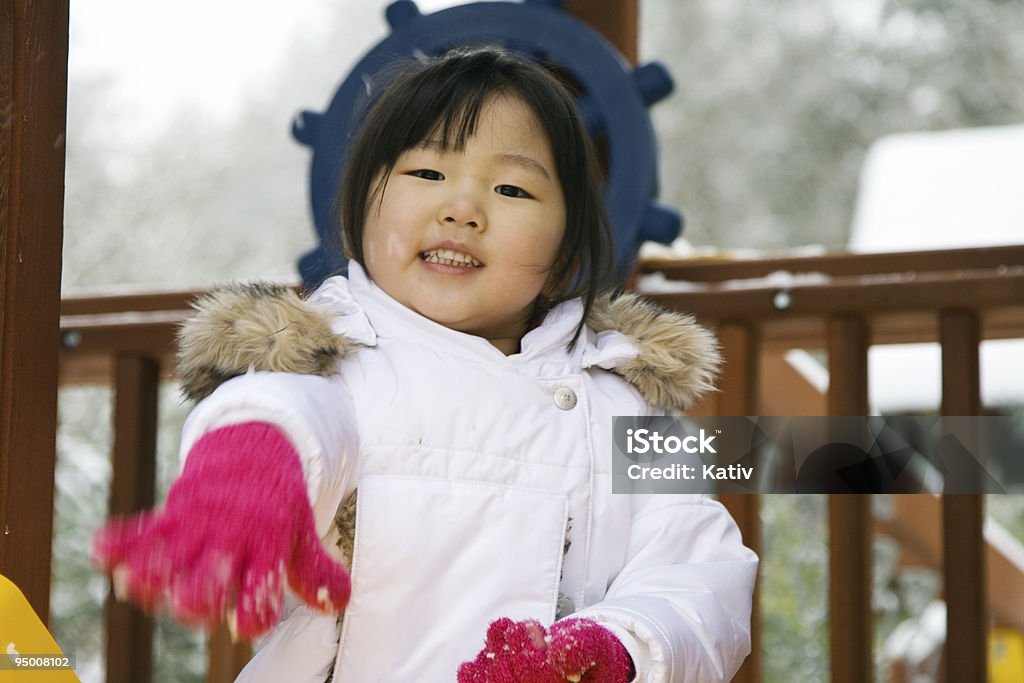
(237, 524)
(576, 650)
(583, 650)
(514, 651)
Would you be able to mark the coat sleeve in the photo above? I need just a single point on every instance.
(681, 603)
(315, 413)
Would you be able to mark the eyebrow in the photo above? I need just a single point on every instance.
(521, 160)
(525, 162)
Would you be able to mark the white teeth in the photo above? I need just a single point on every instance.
(450, 257)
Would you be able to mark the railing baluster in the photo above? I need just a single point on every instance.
(963, 564)
(137, 381)
(849, 515)
(847, 365)
(738, 382)
(849, 588)
(738, 396)
(960, 336)
(225, 659)
(745, 508)
(963, 515)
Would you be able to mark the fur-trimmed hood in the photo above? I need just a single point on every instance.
(264, 326)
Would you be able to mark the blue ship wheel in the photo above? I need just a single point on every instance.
(613, 104)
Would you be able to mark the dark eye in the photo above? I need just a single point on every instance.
(512, 191)
(427, 174)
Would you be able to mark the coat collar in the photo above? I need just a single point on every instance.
(363, 312)
(666, 356)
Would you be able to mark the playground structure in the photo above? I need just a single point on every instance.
(955, 297)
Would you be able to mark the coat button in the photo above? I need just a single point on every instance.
(565, 398)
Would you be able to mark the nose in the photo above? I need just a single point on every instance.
(461, 211)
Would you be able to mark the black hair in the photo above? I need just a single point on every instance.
(442, 97)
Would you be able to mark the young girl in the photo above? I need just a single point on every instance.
(439, 426)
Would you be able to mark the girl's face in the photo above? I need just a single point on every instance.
(467, 238)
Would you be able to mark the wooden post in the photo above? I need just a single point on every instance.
(225, 659)
(963, 564)
(963, 515)
(616, 20)
(847, 365)
(745, 508)
(137, 382)
(737, 385)
(738, 395)
(849, 515)
(849, 588)
(960, 336)
(33, 104)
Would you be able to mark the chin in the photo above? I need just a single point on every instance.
(445, 317)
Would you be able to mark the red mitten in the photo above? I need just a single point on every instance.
(583, 650)
(577, 650)
(236, 525)
(514, 652)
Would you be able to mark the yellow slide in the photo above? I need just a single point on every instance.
(28, 653)
(1006, 656)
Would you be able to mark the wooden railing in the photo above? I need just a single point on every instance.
(841, 303)
(844, 303)
(128, 342)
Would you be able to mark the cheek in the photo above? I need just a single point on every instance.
(553, 245)
(391, 246)
(384, 246)
(537, 240)
(552, 241)
(397, 246)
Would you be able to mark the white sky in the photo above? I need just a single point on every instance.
(202, 51)
(201, 54)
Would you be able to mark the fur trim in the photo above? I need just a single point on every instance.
(345, 522)
(678, 359)
(264, 326)
(258, 326)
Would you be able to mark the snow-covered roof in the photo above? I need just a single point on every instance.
(941, 190)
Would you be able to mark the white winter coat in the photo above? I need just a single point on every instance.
(475, 471)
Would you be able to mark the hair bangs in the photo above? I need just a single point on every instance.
(455, 122)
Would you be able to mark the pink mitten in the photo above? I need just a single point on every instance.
(514, 651)
(577, 650)
(583, 650)
(236, 525)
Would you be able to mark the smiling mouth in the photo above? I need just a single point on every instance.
(449, 257)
